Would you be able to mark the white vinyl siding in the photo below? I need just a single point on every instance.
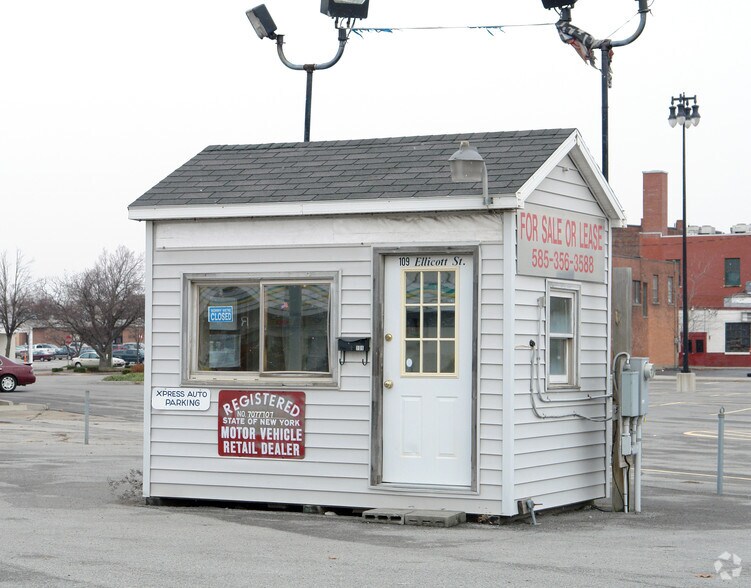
(336, 467)
(563, 460)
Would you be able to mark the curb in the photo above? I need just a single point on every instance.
(10, 405)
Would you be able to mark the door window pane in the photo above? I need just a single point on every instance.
(429, 305)
(429, 287)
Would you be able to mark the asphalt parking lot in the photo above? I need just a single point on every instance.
(69, 517)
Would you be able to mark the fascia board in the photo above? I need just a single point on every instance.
(327, 208)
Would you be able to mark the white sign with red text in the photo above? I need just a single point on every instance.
(555, 243)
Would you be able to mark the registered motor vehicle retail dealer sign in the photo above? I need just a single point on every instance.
(261, 424)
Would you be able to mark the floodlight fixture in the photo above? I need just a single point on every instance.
(346, 8)
(262, 22)
(557, 3)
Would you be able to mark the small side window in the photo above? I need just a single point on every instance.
(563, 336)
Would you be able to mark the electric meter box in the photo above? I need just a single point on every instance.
(630, 393)
(635, 387)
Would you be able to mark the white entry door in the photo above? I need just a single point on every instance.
(427, 370)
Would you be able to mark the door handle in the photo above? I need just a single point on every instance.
(388, 384)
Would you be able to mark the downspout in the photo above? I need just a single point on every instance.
(508, 490)
(147, 342)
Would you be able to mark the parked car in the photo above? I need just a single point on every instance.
(91, 359)
(14, 374)
(64, 352)
(129, 356)
(21, 351)
(43, 351)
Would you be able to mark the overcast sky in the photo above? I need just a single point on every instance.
(99, 99)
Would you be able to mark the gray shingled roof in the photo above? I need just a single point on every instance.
(401, 167)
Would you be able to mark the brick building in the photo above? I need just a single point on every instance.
(719, 285)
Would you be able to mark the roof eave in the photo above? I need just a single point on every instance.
(452, 203)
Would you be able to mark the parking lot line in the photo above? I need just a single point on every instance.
(680, 473)
(733, 411)
(729, 434)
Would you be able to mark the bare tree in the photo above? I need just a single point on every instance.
(17, 293)
(100, 303)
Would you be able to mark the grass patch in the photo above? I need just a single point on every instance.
(131, 377)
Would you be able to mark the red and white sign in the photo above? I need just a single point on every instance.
(261, 424)
(555, 243)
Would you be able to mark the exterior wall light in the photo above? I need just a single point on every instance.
(467, 165)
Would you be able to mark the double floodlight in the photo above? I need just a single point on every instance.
(558, 3)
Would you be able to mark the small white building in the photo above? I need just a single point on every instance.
(336, 323)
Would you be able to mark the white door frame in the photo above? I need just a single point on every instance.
(376, 444)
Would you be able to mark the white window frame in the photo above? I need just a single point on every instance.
(572, 292)
(191, 374)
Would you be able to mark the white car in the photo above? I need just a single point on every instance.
(91, 359)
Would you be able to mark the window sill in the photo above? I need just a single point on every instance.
(260, 383)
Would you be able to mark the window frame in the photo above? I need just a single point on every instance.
(572, 379)
(190, 336)
(655, 289)
(747, 336)
(636, 292)
(671, 290)
(738, 270)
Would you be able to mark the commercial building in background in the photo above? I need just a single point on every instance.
(337, 323)
(718, 282)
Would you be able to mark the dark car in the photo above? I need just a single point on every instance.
(129, 356)
(63, 352)
(14, 374)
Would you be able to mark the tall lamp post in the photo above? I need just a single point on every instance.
(344, 13)
(685, 115)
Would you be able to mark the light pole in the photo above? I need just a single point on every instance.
(686, 116)
(344, 13)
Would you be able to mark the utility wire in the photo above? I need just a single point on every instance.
(490, 29)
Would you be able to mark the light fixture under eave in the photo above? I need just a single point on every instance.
(262, 22)
(345, 8)
(467, 165)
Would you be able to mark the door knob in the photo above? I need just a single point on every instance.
(388, 337)
(388, 384)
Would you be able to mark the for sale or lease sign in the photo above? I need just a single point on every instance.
(261, 424)
(555, 243)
